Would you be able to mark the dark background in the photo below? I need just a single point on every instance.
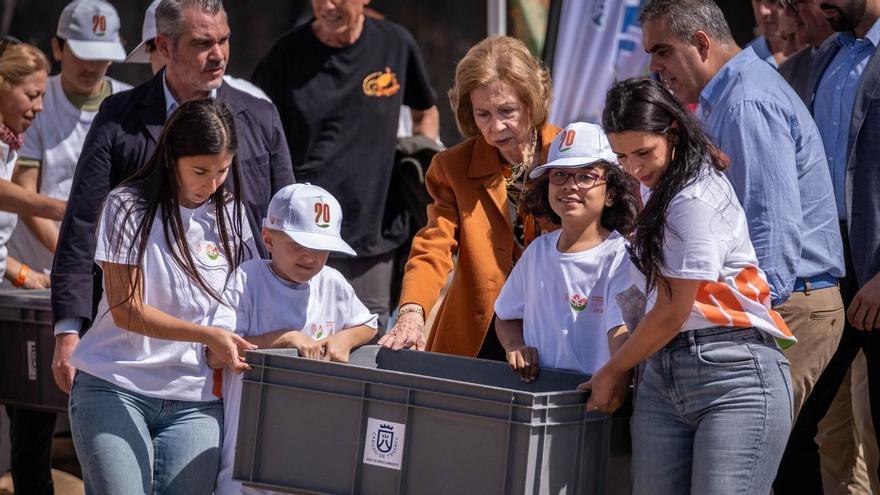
(444, 29)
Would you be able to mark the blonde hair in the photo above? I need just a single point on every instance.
(500, 58)
(18, 61)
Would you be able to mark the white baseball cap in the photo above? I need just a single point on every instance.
(310, 216)
(91, 29)
(578, 145)
(139, 55)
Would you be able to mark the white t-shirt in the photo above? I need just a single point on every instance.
(156, 367)
(707, 239)
(567, 300)
(259, 301)
(55, 139)
(7, 219)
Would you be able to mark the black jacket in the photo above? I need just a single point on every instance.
(120, 140)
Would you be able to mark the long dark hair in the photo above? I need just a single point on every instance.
(197, 127)
(645, 105)
(620, 186)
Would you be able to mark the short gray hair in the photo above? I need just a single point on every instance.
(169, 15)
(685, 17)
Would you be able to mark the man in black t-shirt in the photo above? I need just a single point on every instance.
(339, 82)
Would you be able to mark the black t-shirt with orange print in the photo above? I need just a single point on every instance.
(340, 108)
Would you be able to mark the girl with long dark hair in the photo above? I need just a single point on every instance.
(713, 408)
(143, 416)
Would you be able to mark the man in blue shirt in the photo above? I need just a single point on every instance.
(845, 79)
(778, 169)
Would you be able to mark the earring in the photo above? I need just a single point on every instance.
(673, 154)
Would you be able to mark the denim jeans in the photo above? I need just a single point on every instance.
(129, 443)
(712, 414)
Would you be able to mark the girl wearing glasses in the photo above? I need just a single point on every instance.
(713, 409)
(558, 308)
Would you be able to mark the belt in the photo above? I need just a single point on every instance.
(718, 334)
(823, 281)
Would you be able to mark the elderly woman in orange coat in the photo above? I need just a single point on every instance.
(501, 100)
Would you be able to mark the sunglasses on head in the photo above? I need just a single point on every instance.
(7, 41)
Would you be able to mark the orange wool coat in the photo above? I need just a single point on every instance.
(469, 216)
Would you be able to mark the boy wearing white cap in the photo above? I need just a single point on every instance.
(292, 300)
(558, 308)
(86, 43)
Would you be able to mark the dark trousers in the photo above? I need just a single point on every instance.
(31, 441)
(799, 473)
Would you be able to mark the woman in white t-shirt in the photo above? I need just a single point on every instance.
(23, 73)
(143, 416)
(713, 409)
(558, 308)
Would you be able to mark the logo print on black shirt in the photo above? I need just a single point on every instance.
(381, 83)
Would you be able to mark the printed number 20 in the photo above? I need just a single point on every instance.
(99, 23)
(322, 210)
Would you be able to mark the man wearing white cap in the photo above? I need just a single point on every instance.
(146, 53)
(86, 43)
(295, 289)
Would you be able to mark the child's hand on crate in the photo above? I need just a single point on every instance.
(305, 345)
(524, 360)
(336, 348)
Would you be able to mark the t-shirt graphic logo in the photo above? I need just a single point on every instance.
(322, 215)
(566, 140)
(577, 302)
(211, 251)
(99, 25)
(381, 83)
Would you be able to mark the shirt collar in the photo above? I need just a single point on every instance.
(716, 87)
(873, 35)
(170, 102)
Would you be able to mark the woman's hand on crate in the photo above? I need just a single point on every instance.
(608, 389)
(524, 360)
(36, 280)
(228, 347)
(408, 333)
(62, 370)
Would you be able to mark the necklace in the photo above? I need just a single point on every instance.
(517, 170)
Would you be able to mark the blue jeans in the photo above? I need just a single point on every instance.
(712, 414)
(129, 443)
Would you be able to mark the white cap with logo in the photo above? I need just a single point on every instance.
(139, 55)
(91, 29)
(578, 145)
(310, 216)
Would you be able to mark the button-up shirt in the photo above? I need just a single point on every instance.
(834, 101)
(778, 170)
(170, 102)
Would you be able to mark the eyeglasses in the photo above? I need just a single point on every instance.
(7, 41)
(581, 179)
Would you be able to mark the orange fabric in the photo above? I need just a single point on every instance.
(469, 216)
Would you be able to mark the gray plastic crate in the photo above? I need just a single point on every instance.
(26, 346)
(417, 423)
